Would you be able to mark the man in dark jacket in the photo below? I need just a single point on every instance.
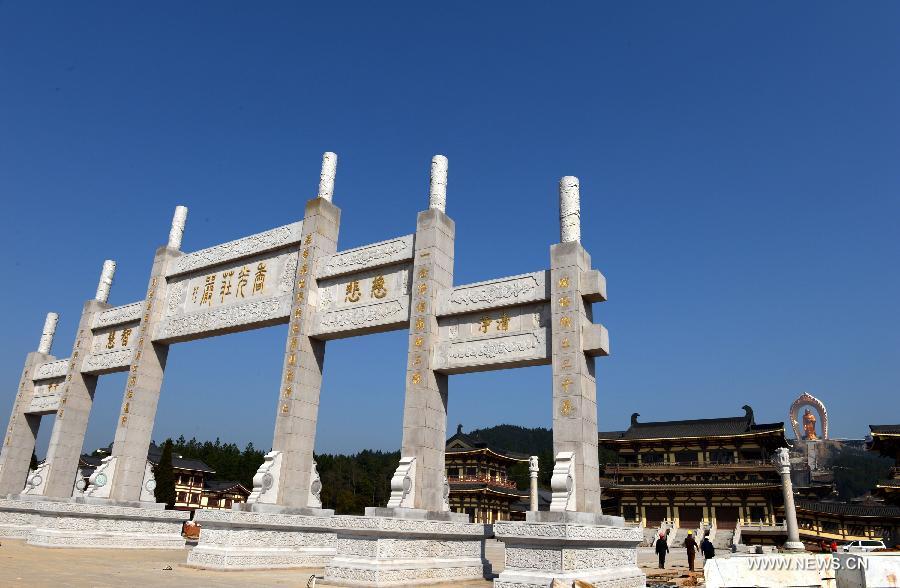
(691, 545)
(707, 548)
(662, 548)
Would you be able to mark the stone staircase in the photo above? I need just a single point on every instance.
(723, 538)
(650, 536)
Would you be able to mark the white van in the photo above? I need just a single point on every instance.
(863, 546)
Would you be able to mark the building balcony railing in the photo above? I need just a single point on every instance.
(688, 465)
(482, 479)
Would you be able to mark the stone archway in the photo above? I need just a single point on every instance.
(807, 399)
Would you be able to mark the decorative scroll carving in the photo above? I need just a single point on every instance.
(403, 484)
(267, 311)
(53, 369)
(100, 482)
(108, 361)
(495, 293)
(371, 315)
(46, 399)
(563, 482)
(367, 257)
(315, 488)
(118, 315)
(240, 248)
(37, 479)
(148, 485)
(265, 481)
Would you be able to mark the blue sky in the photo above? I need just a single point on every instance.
(738, 164)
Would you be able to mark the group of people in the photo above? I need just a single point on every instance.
(690, 544)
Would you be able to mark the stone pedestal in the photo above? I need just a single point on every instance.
(105, 524)
(244, 540)
(569, 546)
(16, 518)
(405, 547)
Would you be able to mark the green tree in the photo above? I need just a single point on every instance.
(165, 477)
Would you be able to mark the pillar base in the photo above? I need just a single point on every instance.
(569, 546)
(405, 547)
(794, 546)
(265, 537)
(108, 525)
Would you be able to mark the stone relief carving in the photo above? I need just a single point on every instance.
(37, 479)
(148, 485)
(118, 315)
(100, 482)
(107, 361)
(563, 482)
(366, 257)
(403, 484)
(530, 344)
(53, 369)
(495, 293)
(315, 488)
(252, 245)
(265, 481)
(364, 316)
(45, 403)
(268, 309)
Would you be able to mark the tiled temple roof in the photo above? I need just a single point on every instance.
(718, 427)
(855, 510)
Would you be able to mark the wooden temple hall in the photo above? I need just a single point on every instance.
(692, 473)
(479, 480)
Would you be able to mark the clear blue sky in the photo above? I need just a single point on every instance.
(738, 164)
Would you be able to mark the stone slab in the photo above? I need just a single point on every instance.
(58, 368)
(492, 294)
(277, 238)
(411, 549)
(119, 315)
(572, 547)
(16, 518)
(109, 526)
(240, 540)
(780, 570)
(367, 257)
(865, 570)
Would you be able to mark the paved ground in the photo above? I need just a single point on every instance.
(676, 571)
(24, 565)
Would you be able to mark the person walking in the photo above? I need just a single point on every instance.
(833, 546)
(706, 546)
(691, 545)
(662, 548)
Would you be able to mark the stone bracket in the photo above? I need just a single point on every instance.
(37, 479)
(100, 483)
(403, 484)
(563, 482)
(148, 485)
(593, 286)
(265, 481)
(595, 340)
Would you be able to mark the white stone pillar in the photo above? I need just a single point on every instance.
(533, 470)
(48, 333)
(783, 463)
(106, 280)
(437, 194)
(177, 231)
(326, 178)
(569, 210)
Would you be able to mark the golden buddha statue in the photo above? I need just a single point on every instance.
(809, 426)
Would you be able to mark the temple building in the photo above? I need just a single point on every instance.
(479, 480)
(195, 486)
(692, 473)
(843, 522)
(885, 439)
